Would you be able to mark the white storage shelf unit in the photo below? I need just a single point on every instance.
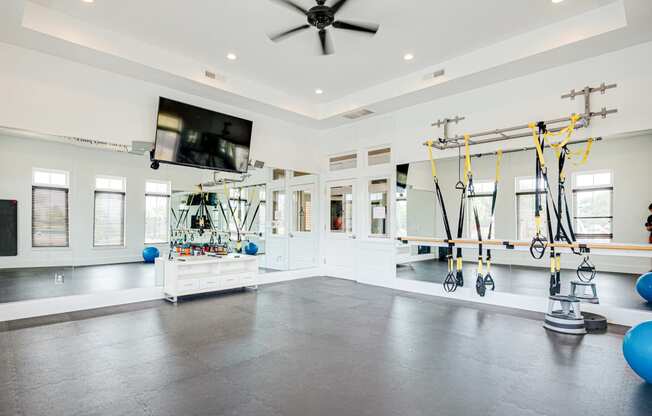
(193, 275)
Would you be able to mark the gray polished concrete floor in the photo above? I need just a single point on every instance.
(316, 346)
(616, 289)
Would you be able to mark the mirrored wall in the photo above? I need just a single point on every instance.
(607, 203)
(77, 217)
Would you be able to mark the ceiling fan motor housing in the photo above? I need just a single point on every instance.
(321, 16)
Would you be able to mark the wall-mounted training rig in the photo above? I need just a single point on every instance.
(523, 130)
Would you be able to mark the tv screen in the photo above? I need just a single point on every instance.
(193, 136)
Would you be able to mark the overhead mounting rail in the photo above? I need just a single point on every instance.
(523, 130)
(525, 149)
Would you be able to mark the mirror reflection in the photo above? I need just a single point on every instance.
(87, 219)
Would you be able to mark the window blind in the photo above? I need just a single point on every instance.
(109, 219)
(50, 223)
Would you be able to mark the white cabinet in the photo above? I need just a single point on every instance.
(192, 275)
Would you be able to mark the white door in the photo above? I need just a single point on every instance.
(302, 236)
(340, 244)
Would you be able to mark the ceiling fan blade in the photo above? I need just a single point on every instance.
(292, 5)
(358, 27)
(326, 45)
(279, 36)
(338, 5)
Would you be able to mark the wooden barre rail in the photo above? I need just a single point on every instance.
(505, 243)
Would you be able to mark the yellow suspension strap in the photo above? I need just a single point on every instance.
(488, 279)
(539, 242)
(567, 132)
(450, 284)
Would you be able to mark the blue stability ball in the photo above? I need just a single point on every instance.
(637, 348)
(150, 253)
(644, 286)
(251, 249)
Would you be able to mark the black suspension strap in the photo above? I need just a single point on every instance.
(480, 287)
(489, 282)
(462, 187)
(450, 283)
(539, 242)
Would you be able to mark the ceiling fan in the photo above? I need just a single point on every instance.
(321, 17)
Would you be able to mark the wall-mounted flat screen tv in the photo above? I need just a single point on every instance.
(193, 136)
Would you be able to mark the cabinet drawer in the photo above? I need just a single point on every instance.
(209, 282)
(248, 279)
(231, 281)
(186, 285)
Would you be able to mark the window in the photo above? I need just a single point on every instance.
(157, 212)
(297, 174)
(50, 209)
(109, 212)
(343, 162)
(592, 205)
(482, 202)
(302, 210)
(379, 156)
(341, 209)
(525, 199)
(379, 206)
(278, 174)
(278, 212)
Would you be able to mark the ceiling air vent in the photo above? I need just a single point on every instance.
(434, 75)
(213, 75)
(353, 115)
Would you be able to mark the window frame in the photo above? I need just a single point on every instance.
(168, 195)
(470, 218)
(388, 209)
(577, 189)
(517, 193)
(67, 188)
(97, 190)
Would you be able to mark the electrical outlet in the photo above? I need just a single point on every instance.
(58, 278)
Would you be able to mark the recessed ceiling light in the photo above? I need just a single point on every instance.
(557, 1)
(231, 56)
(319, 91)
(408, 57)
(88, 1)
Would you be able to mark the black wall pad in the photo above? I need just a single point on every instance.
(8, 227)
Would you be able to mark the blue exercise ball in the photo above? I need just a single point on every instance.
(644, 286)
(637, 348)
(150, 253)
(251, 249)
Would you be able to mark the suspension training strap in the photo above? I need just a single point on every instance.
(488, 279)
(480, 287)
(450, 284)
(539, 243)
(459, 259)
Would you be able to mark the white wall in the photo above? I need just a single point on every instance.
(516, 101)
(51, 95)
(19, 155)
